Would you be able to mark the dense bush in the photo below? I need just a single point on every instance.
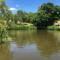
(3, 31)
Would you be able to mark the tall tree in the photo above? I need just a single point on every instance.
(47, 14)
(20, 16)
(3, 7)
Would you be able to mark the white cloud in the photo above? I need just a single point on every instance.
(12, 9)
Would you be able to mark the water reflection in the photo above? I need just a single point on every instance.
(46, 42)
(5, 53)
(31, 45)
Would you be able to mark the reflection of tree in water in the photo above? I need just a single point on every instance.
(5, 54)
(46, 42)
(22, 38)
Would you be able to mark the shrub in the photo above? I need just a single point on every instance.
(3, 31)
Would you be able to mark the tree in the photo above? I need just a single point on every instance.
(46, 15)
(21, 15)
(30, 17)
(4, 10)
(3, 7)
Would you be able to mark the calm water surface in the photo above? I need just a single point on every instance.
(31, 45)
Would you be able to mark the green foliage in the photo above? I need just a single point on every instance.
(3, 9)
(53, 27)
(1, 0)
(30, 17)
(24, 17)
(20, 16)
(23, 26)
(3, 31)
(46, 15)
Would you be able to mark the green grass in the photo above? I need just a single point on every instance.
(23, 26)
(53, 27)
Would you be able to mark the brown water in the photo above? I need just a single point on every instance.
(31, 45)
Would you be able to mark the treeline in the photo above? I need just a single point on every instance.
(45, 16)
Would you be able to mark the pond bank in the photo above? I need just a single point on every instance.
(22, 26)
(53, 27)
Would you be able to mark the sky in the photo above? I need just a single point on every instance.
(27, 5)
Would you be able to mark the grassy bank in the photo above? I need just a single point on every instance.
(22, 26)
(53, 27)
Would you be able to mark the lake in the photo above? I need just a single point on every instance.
(31, 45)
